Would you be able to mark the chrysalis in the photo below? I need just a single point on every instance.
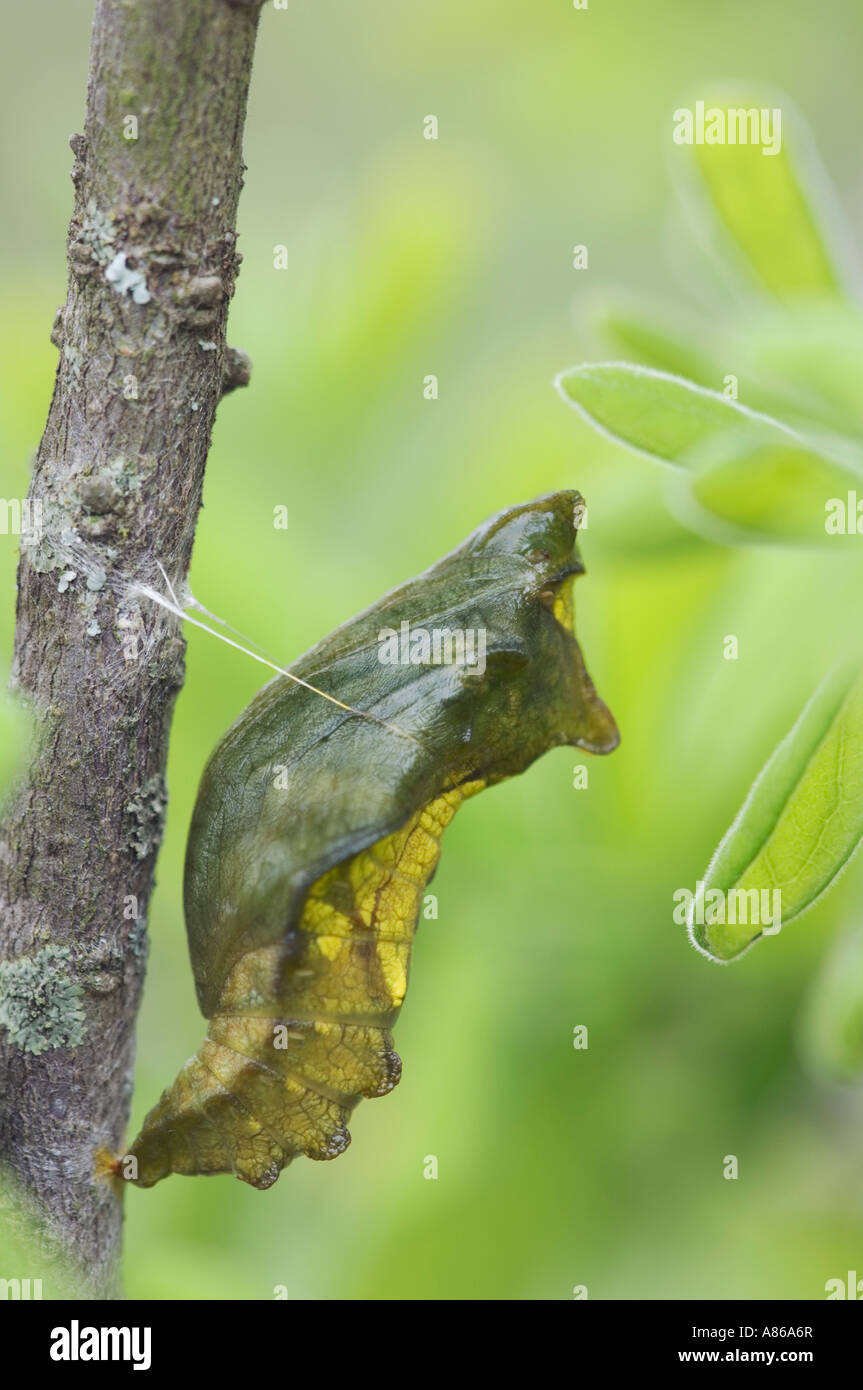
(317, 829)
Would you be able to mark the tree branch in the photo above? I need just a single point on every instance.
(118, 477)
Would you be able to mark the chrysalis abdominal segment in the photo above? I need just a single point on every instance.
(316, 831)
(267, 1086)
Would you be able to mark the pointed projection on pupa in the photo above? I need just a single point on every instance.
(317, 829)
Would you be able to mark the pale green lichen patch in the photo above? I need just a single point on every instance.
(146, 811)
(74, 359)
(138, 941)
(90, 506)
(105, 488)
(54, 547)
(97, 233)
(40, 1005)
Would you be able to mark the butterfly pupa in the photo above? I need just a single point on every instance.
(317, 829)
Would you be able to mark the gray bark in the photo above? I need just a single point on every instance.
(143, 363)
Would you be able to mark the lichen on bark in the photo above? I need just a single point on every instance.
(40, 1006)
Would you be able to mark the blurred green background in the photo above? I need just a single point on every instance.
(557, 1167)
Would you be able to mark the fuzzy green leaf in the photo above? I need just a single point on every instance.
(798, 828)
(737, 474)
(665, 417)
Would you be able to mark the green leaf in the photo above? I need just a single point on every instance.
(797, 829)
(767, 208)
(745, 488)
(801, 365)
(816, 351)
(665, 417)
(643, 336)
(737, 475)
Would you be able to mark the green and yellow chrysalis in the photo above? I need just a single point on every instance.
(318, 826)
